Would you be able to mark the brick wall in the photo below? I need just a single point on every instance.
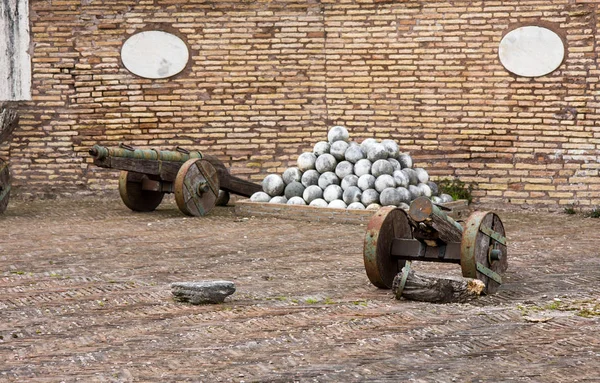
(267, 79)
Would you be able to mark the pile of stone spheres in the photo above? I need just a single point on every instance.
(343, 174)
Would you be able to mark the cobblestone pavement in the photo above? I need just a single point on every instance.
(85, 297)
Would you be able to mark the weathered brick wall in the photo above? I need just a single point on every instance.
(267, 79)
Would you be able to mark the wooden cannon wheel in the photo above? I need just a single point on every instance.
(483, 250)
(196, 187)
(4, 185)
(133, 194)
(387, 224)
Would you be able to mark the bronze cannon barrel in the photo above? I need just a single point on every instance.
(99, 152)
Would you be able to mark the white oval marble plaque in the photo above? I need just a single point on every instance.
(154, 54)
(531, 51)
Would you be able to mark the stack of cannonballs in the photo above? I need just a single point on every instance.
(343, 174)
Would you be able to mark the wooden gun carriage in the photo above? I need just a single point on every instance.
(199, 182)
(395, 238)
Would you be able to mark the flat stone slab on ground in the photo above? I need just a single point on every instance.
(203, 292)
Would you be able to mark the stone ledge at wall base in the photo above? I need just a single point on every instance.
(459, 210)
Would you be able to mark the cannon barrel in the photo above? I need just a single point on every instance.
(99, 152)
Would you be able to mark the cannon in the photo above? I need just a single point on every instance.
(199, 182)
(395, 237)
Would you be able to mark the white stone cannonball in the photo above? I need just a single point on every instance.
(435, 190)
(344, 168)
(312, 193)
(366, 181)
(405, 195)
(390, 197)
(354, 153)
(367, 143)
(383, 182)
(415, 192)
(425, 190)
(294, 189)
(362, 167)
(404, 206)
(337, 204)
(319, 202)
(422, 175)
(338, 150)
(412, 176)
(374, 206)
(325, 163)
(352, 194)
(338, 133)
(356, 206)
(401, 178)
(392, 148)
(369, 196)
(279, 199)
(273, 185)
(405, 160)
(349, 180)
(381, 167)
(437, 200)
(332, 192)
(328, 178)
(296, 201)
(377, 152)
(291, 174)
(306, 161)
(395, 164)
(446, 198)
(310, 177)
(260, 197)
(321, 147)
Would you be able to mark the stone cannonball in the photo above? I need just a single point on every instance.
(374, 206)
(377, 152)
(437, 200)
(296, 201)
(422, 175)
(356, 206)
(425, 190)
(367, 143)
(405, 195)
(412, 176)
(319, 202)
(405, 160)
(390, 197)
(383, 182)
(395, 164)
(321, 147)
(344, 168)
(338, 150)
(415, 192)
(369, 196)
(352, 194)
(401, 178)
(404, 206)
(273, 185)
(291, 174)
(392, 148)
(349, 180)
(310, 177)
(279, 199)
(446, 198)
(362, 167)
(260, 197)
(435, 190)
(338, 133)
(327, 179)
(294, 189)
(306, 161)
(312, 193)
(337, 204)
(325, 163)
(381, 167)
(366, 181)
(332, 192)
(354, 153)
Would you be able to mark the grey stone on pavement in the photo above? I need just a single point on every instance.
(203, 292)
